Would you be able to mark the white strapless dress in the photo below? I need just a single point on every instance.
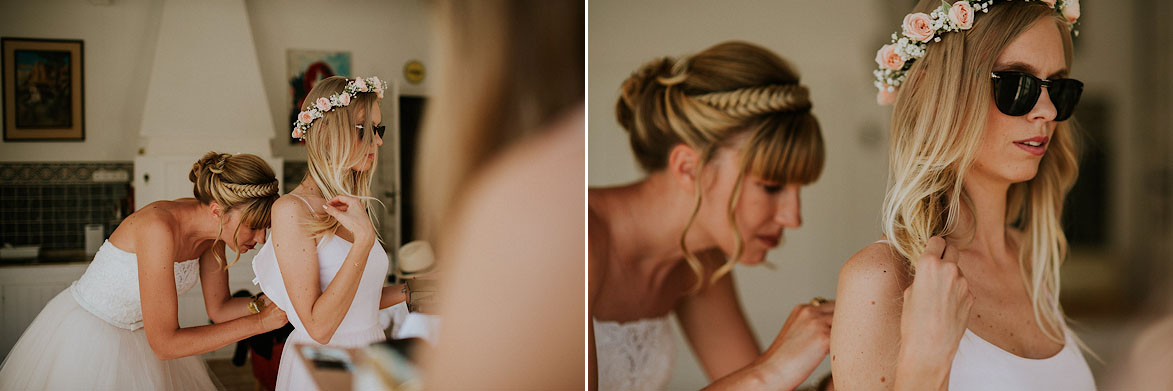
(634, 356)
(360, 327)
(90, 337)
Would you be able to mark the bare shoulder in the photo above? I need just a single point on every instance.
(289, 206)
(151, 224)
(875, 268)
(598, 247)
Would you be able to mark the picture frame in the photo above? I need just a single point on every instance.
(44, 89)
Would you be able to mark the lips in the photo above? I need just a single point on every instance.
(771, 241)
(1036, 146)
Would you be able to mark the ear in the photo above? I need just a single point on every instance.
(216, 209)
(683, 164)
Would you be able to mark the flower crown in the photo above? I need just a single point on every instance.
(895, 58)
(342, 99)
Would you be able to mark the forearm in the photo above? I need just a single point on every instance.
(392, 295)
(233, 308)
(190, 341)
(756, 377)
(332, 305)
(917, 372)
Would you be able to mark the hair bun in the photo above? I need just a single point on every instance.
(211, 163)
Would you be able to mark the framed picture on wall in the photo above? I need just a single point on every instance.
(303, 69)
(44, 85)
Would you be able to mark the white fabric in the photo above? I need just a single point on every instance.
(980, 365)
(90, 336)
(359, 328)
(634, 356)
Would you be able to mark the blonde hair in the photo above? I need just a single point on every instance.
(709, 99)
(333, 147)
(235, 181)
(937, 128)
(529, 70)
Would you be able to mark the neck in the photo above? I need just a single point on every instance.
(199, 224)
(646, 221)
(986, 222)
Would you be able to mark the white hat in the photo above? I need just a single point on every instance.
(415, 257)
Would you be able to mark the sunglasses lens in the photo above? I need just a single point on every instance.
(1015, 93)
(1064, 95)
(380, 129)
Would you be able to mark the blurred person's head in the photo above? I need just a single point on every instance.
(239, 191)
(342, 145)
(507, 70)
(948, 133)
(733, 126)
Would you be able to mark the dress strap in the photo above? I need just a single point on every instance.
(307, 203)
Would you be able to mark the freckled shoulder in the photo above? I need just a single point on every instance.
(289, 207)
(875, 266)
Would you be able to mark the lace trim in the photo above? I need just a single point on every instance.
(636, 355)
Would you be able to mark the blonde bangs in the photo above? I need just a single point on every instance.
(786, 149)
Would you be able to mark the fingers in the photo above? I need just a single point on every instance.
(935, 247)
(950, 254)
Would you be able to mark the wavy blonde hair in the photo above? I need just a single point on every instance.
(937, 127)
(241, 181)
(710, 100)
(333, 146)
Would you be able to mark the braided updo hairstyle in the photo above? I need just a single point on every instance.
(242, 181)
(710, 99)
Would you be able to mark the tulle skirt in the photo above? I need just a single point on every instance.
(68, 348)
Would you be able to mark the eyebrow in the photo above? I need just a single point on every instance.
(1024, 67)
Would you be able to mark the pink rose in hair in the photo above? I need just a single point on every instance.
(344, 99)
(888, 58)
(885, 97)
(322, 104)
(1071, 11)
(305, 117)
(961, 14)
(361, 84)
(1050, 3)
(917, 27)
(297, 133)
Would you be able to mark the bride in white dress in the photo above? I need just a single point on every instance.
(327, 269)
(96, 335)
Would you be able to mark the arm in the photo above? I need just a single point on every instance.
(796, 351)
(392, 295)
(715, 326)
(321, 311)
(597, 271)
(160, 303)
(218, 301)
(865, 341)
(906, 339)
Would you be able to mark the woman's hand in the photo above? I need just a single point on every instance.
(271, 317)
(803, 342)
(350, 212)
(935, 314)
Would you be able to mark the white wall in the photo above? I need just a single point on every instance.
(120, 41)
(382, 36)
(832, 43)
(118, 52)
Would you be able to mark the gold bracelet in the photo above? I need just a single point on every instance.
(256, 305)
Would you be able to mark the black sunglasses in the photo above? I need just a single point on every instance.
(379, 130)
(1015, 93)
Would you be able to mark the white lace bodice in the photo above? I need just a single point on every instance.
(636, 355)
(109, 287)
